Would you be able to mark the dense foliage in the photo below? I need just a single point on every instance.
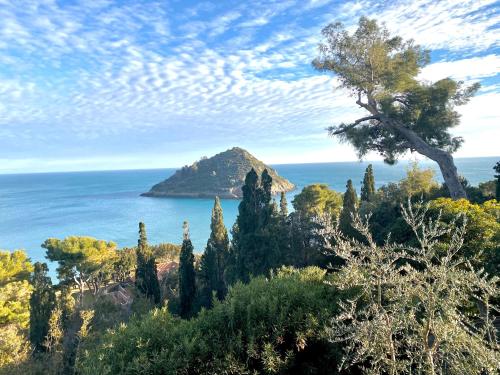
(187, 276)
(317, 200)
(269, 326)
(368, 186)
(255, 247)
(349, 209)
(146, 276)
(221, 175)
(42, 302)
(408, 314)
(15, 290)
(85, 261)
(214, 259)
(381, 71)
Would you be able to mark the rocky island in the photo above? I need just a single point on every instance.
(222, 175)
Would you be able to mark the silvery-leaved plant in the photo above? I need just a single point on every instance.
(413, 309)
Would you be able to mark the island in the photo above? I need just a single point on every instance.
(221, 175)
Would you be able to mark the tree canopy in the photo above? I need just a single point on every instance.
(404, 114)
(83, 260)
(318, 199)
(15, 290)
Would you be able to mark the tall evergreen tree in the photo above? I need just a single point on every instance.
(214, 259)
(42, 302)
(284, 233)
(283, 206)
(349, 208)
(187, 276)
(497, 176)
(255, 239)
(368, 187)
(146, 275)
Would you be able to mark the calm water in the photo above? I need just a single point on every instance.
(107, 205)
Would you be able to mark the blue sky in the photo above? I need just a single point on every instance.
(103, 84)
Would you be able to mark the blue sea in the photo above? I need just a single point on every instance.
(107, 204)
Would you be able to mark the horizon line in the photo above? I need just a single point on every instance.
(426, 160)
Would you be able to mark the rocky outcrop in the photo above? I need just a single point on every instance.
(222, 175)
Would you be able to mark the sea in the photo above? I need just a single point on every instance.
(107, 204)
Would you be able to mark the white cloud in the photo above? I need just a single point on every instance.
(105, 70)
(473, 68)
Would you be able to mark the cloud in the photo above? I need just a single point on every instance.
(106, 78)
(473, 68)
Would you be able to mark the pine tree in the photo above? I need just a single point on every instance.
(42, 302)
(497, 176)
(187, 276)
(146, 275)
(368, 187)
(214, 259)
(349, 208)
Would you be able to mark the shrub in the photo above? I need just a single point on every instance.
(269, 326)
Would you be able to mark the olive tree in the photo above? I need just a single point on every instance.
(381, 71)
(414, 310)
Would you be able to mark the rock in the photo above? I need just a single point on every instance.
(222, 175)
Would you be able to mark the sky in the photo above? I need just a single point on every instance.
(117, 84)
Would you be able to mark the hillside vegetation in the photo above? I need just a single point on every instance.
(221, 175)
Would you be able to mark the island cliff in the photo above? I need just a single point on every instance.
(222, 175)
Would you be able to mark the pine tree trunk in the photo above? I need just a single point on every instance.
(442, 158)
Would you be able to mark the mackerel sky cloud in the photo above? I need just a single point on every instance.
(106, 84)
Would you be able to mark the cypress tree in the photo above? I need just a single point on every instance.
(215, 257)
(368, 186)
(146, 275)
(255, 235)
(245, 227)
(187, 276)
(497, 176)
(283, 206)
(348, 209)
(285, 236)
(42, 302)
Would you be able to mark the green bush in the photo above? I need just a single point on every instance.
(269, 326)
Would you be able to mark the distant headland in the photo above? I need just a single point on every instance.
(221, 175)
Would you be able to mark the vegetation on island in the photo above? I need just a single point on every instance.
(403, 279)
(220, 176)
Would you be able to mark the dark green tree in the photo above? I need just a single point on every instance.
(146, 274)
(214, 259)
(497, 176)
(187, 275)
(381, 72)
(368, 187)
(283, 206)
(349, 208)
(42, 302)
(255, 235)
